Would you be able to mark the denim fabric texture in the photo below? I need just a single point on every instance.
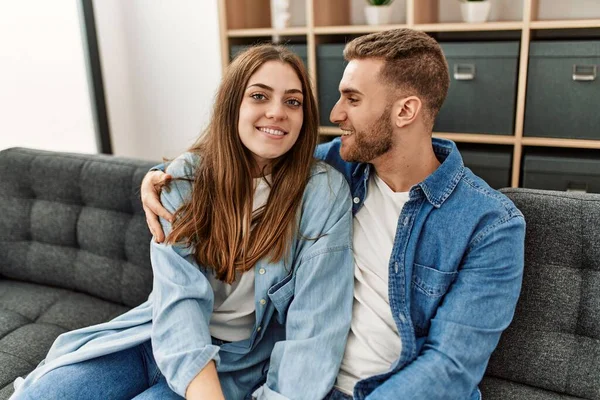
(127, 374)
(303, 306)
(454, 277)
(337, 395)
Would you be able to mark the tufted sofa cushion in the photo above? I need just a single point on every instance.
(74, 249)
(552, 349)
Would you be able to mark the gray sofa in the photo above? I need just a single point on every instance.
(74, 251)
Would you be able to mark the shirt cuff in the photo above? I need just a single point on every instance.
(180, 383)
(265, 393)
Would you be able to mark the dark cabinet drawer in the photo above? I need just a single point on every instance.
(483, 87)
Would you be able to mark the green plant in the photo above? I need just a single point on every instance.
(379, 2)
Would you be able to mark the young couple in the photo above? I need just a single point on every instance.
(390, 275)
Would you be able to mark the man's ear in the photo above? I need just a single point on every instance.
(406, 111)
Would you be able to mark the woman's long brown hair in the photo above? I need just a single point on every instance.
(218, 220)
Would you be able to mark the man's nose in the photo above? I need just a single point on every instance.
(337, 115)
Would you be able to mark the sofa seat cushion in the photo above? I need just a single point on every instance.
(32, 316)
(495, 388)
(553, 343)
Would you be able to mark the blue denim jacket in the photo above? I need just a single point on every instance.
(303, 307)
(454, 278)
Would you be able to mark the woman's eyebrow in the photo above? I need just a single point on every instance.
(269, 88)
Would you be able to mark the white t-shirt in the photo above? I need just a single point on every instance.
(373, 342)
(233, 314)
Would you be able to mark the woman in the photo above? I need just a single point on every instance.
(252, 291)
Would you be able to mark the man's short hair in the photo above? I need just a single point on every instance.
(414, 64)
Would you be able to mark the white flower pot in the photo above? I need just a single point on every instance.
(378, 15)
(475, 11)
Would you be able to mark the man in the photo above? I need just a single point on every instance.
(438, 253)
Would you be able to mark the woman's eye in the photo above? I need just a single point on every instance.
(258, 96)
(294, 102)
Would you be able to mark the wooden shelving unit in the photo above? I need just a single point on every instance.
(250, 20)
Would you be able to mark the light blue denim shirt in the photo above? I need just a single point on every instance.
(303, 307)
(454, 278)
(303, 303)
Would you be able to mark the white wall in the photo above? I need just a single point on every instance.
(161, 67)
(44, 94)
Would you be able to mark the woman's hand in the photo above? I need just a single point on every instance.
(150, 195)
(205, 385)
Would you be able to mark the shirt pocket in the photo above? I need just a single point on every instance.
(281, 294)
(429, 286)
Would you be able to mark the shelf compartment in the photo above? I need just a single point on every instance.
(441, 12)
(483, 87)
(331, 12)
(422, 11)
(248, 14)
(563, 90)
(552, 10)
(557, 169)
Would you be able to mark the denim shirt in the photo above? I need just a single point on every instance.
(455, 275)
(303, 306)
(303, 303)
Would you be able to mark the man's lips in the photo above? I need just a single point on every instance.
(346, 131)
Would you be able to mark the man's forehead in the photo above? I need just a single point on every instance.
(359, 74)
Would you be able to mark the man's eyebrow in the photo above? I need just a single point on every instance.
(350, 91)
(269, 88)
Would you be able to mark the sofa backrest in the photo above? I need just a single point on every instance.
(554, 340)
(75, 221)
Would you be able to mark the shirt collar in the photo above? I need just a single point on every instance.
(442, 182)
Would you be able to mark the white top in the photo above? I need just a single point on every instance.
(373, 342)
(233, 311)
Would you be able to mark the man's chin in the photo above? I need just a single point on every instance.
(347, 154)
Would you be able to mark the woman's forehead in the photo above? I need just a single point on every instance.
(277, 75)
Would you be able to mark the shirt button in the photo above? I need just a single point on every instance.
(263, 302)
(258, 329)
(262, 271)
(356, 200)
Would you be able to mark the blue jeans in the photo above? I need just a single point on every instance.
(128, 374)
(337, 395)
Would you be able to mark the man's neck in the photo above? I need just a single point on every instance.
(407, 163)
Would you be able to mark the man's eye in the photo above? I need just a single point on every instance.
(258, 96)
(352, 100)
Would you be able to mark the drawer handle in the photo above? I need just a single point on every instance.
(585, 73)
(464, 72)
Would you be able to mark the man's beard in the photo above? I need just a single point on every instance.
(369, 145)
